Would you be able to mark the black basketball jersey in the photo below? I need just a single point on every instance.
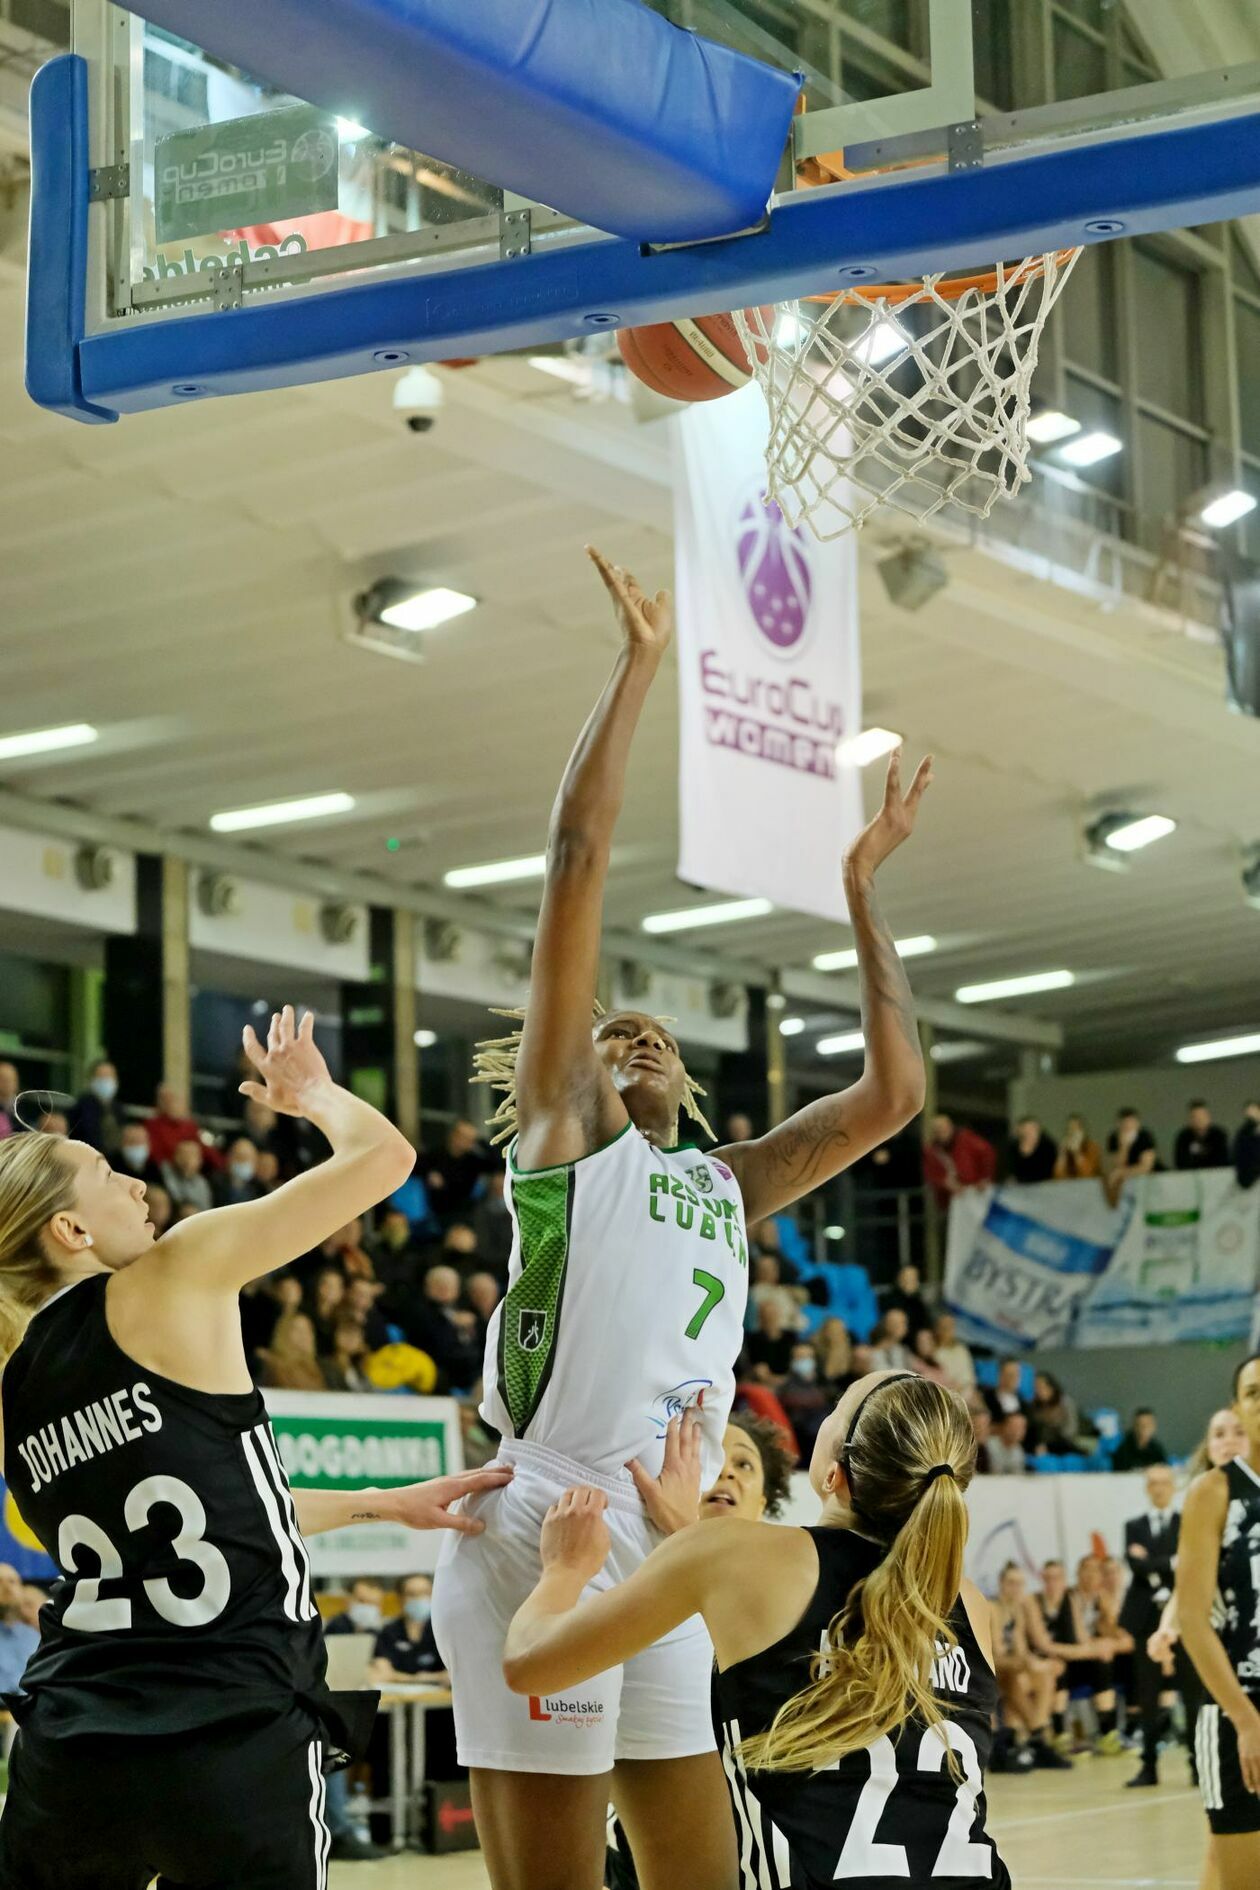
(1238, 1581)
(1060, 1623)
(890, 1813)
(185, 1590)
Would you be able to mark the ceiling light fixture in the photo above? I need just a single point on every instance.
(1050, 426)
(412, 607)
(425, 1039)
(1227, 508)
(860, 750)
(47, 741)
(1087, 449)
(1136, 831)
(1015, 987)
(846, 1042)
(917, 947)
(496, 872)
(694, 916)
(791, 1027)
(959, 1051)
(282, 813)
(1248, 1046)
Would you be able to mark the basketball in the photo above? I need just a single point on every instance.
(699, 358)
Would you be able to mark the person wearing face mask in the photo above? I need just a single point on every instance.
(96, 1118)
(133, 1156)
(805, 1400)
(406, 1649)
(238, 1182)
(364, 1613)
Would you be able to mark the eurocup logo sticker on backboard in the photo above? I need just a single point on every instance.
(775, 572)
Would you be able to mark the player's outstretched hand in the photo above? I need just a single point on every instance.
(289, 1064)
(672, 1500)
(428, 1505)
(895, 820)
(575, 1536)
(646, 623)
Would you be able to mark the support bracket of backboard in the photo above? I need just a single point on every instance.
(109, 182)
(949, 100)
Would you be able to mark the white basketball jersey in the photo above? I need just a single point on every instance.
(626, 1299)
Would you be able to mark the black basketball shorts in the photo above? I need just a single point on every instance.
(238, 1806)
(1231, 1809)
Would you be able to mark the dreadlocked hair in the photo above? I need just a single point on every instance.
(494, 1064)
(876, 1670)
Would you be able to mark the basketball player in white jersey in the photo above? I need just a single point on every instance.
(628, 1283)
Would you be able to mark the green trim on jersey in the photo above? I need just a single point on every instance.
(560, 1168)
(530, 1323)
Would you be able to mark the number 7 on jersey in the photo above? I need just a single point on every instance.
(714, 1293)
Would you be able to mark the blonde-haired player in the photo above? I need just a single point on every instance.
(628, 1284)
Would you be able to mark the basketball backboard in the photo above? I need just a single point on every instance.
(197, 232)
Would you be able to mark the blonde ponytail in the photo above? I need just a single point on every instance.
(909, 1458)
(36, 1182)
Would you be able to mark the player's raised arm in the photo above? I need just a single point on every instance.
(225, 1249)
(566, 1106)
(828, 1136)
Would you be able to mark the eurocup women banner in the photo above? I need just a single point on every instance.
(1055, 1264)
(770, 674)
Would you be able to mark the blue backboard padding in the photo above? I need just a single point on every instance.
(56, 286)
(1153, 180)
(598, 108)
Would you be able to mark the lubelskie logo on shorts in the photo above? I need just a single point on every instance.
(530, 1328)
(585, 1714)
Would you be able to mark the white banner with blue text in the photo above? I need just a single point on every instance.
(1055, 1264)
(769, 663)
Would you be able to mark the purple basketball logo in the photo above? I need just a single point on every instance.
(774, 567)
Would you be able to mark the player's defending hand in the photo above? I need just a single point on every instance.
(291, 1067)
(672, 1500)
(575, 1536)
(428, 1505)
(646, 623)
(894, 822)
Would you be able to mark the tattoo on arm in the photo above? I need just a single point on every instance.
(885, 987)
(809, 1148)
(366, 1515)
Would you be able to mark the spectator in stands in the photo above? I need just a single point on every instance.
(956, 1158)
(342, 1364)
(444, 1329)
(769, 1347)
(1006, 1395)
(1026, 1678)
(452, 1175)
(364, 1613)
(1006, 1445)
(952, 1353)
(351, 1255)
(289, 1363)
(323, 1304)
(835, 1357)
(395, 1256)
(1070, 1627)
(806, 1401)
(1080, 1158)
(133, 1157)
(267, 1169)
(739, 1128)
(1031, 1153)
(405, 1649)
(924, 1360)
(10, 1089)
(766, 1237)
(1247, 1147)
(1055, 1419)
(1131, 1153)
(906, 1296)
(33, 1599)
(170, 1124)
(262, 1125)
(1140, 1445)
(459, 1250)
(96, 1118)
(184, 1178)
(767, 1284)
(1097, 1627)
(483, 1293)
(360, 1303)
(18, 1641)
(239, 1181)
(260, 1309)
(160, 1207)
(1202, 1143)
(53, 1122)
(982, 1431)
(891, 1349)
(897, 1163)
(492, 1224)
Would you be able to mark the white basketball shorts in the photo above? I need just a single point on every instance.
(655, 1707)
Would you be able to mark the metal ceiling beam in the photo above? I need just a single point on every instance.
(312, 879)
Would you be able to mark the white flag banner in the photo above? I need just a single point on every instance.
(770, 674)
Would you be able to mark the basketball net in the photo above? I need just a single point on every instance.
(914, 395)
